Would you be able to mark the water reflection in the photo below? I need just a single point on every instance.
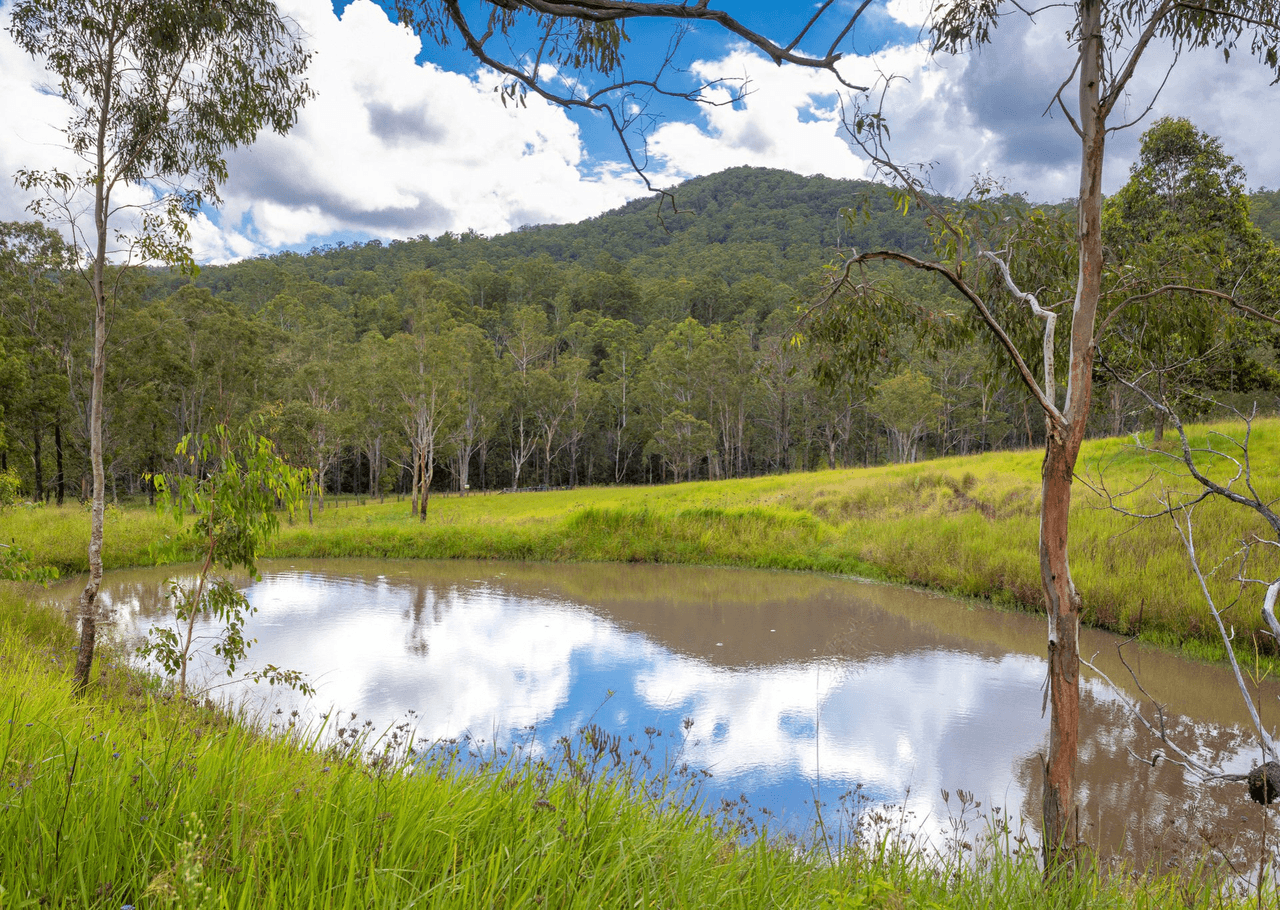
(798, 687)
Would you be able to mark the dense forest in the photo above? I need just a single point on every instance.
(664, 340)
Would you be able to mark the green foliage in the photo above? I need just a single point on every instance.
(1183, 220)
(966, 24)
(236, 512)
(235, 504)
(907, 404)
(10, 486)
(1183, 187)
(865, 314)
(16, 564)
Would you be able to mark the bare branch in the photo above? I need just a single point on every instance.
(531, 78)
(1024, 372)
(1050, 321)
(1151, 103)
(1057, 99)
(1188, 541)
(1160, 732)
(615, 10)
(1120, 80)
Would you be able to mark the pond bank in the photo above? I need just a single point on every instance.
(965, 526)
(125, 798)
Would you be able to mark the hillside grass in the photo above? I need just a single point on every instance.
(126, 797)
(966, 526)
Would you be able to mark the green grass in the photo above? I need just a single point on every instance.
(123, 797)
(962, 525)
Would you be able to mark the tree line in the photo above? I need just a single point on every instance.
(490, 369)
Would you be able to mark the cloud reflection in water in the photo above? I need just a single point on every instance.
(797, 686)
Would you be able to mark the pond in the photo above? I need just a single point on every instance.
(787, 688)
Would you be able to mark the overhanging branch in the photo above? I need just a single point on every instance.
(615, 10)
(1024, 372)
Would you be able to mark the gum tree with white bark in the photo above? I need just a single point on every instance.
(158, 91)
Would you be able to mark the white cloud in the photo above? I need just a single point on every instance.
(388, 148)
(393, 148)
(33, 139)
(914, 13)
(987, 112)
(790, 119)
(32, 136)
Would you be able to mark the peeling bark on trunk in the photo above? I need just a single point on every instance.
(1062, 602)
(57, 448)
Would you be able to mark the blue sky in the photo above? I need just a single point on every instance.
(405, 138)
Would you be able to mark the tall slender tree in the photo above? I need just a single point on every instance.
(158, 90)
(1106, 46)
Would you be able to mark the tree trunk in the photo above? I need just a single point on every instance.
(37, 455)
(1062, 446)
(57, 449)
(89, 597)
(428, 472)
(1062, 603)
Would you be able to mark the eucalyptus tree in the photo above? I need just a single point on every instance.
(1182, 219)
(370, 405)
(678, 381)
(149, 378)
(681, 441)
(784, 386)
(620, 368)
(908, 406)
(158, 90)
(562, 399)
(528, 344)
(1106, 44)
(423, 371)
(733, 395)
(317, 397)
(13, 381)
(481, 397)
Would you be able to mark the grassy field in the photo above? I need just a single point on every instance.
(126, 798)
(963, 525)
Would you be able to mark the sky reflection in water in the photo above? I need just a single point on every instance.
(797, 686)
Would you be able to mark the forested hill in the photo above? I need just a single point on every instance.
(740, 222)
(644, 344)
(739, 205)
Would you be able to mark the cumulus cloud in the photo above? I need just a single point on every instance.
(32, 136)
(389, 147)
(988, 112)
(394, 147)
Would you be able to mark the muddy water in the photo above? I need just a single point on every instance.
(798, 687)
